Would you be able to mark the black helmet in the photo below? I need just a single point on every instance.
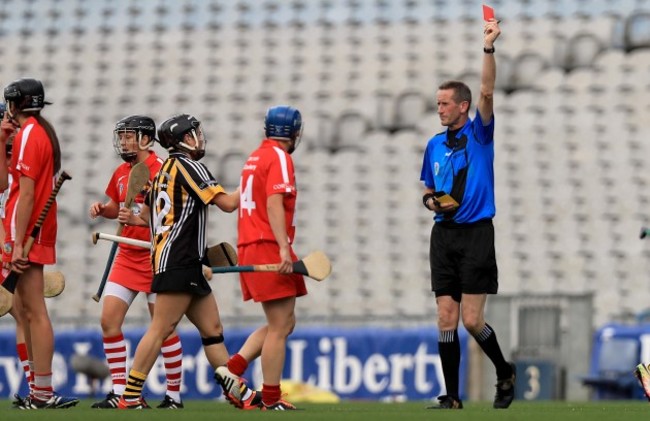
(173, 130)
(139, 124)
(172, 133)
(27, 94)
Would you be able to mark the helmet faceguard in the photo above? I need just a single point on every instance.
(131, 134)
(296, 140)
(198, 150)
(10, 141)
(284, 123)
(126, 143)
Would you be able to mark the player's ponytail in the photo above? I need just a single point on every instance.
(54, 140)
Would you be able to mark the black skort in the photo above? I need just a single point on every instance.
(185, 279)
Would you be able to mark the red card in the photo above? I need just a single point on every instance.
(488, 13)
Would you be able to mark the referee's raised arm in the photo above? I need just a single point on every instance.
(489, 72)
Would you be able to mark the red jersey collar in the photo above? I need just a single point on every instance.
(150, 159)
(30, 120)
(269, 143)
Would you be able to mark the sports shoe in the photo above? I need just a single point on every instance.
(55, 402)
(254, 401)
(110, 402)
(642, 375)
(62, 402)
(139, 404)
(233, 386)
(280, 405)
(170, 403)
(447, 402)
(18, 401)
(505, 390)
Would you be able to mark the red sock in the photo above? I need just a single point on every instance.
(237, 365)
(21, 350)
(271, 394)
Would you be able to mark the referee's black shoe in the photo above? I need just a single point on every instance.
(505, 390)
(447, 402)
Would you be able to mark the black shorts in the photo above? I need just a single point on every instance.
(184, 279)
(463, 260)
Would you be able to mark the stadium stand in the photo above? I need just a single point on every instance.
(571, 118)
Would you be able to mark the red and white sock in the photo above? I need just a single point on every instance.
(31, 378)
(23, 356)
(172, 352)
(115, 350)
(43, 386)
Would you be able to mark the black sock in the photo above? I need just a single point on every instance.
(449, 349)
(487, 340)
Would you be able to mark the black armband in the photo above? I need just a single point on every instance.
(426, 198)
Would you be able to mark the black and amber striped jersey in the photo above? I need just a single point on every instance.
(178, 216)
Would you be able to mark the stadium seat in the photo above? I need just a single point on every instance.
(636, 31)
(582, 49)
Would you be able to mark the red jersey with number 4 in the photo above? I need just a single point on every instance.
(268, 170)
(33, 158)
(132, 265)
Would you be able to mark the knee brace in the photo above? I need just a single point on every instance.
(212, 340)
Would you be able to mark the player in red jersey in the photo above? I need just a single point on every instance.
(131, 272)
(35, 162)
(16, 311)
(266, 231)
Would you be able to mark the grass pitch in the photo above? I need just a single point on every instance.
(352, 411)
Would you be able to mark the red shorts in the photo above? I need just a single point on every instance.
(132, 270)
(267, 286)
(40, 254)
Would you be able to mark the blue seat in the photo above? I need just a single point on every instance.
(611, 376)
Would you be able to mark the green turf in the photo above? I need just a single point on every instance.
(353, 411)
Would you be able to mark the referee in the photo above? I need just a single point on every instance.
(458, 176)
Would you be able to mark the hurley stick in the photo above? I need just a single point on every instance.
(315, 265)
(138, 178)
(11, 281)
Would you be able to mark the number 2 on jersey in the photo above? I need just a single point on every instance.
(163, 205)
(246, 197)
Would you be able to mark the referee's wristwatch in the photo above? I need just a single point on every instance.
(489, 50)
